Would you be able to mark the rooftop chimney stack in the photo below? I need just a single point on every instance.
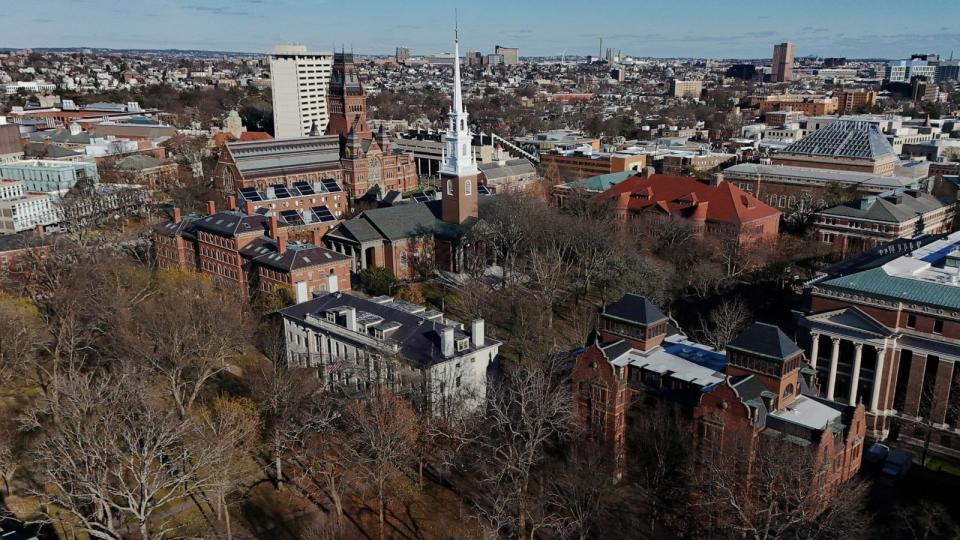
(248, 208)
(273, 227)
(351, 315)
(446, 341)
(333, 284)
(476, 333)
(316, 237)
(211, 208)
(302, 292)
(647, 172)
(281, 244)
(176, 215)
(231, 202)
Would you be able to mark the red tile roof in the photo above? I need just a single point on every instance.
(686, 197)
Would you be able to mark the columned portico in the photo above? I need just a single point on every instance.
(834, 359)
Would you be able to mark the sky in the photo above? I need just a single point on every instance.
(658, 28)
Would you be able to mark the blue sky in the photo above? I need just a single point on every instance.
(702, 28)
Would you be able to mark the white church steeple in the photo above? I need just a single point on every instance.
(458, 158)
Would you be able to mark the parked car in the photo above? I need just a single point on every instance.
(897, 466)
(876, 454)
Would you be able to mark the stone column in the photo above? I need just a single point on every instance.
(814, 350)
(855, 374)
(911, 403)
(877, 380)
(834, 357)
(941, 391)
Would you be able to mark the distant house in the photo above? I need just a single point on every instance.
(508, 175)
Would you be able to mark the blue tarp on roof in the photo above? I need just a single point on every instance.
(709, 359)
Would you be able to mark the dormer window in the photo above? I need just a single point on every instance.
(463, 344)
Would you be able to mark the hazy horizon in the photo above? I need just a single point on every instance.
(650, 28)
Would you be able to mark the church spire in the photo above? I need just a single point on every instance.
(458, 158)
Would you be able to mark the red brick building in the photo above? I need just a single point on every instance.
(884, 330)
(350, 154)
(757, 387)
(249, 253)
(649, 199)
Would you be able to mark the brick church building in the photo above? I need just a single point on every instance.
(349, 155)
(760, 386)
(416, 235)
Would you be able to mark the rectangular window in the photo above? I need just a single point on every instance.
(938, 326)
(911, 321)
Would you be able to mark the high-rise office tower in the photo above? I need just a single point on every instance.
(299, 79)
(782, 66)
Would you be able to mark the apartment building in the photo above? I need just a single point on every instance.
(299, 79)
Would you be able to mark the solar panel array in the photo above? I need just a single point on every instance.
(420, 197)
(331, 185)
(322, 213)
(304, 188)
(292, 217)
(250, 194)
(280, 191)
(843, 138)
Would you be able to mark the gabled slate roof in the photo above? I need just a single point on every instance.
(298, 255)
(766, 340)
(897, 206)
(635, 308)
(232, 222)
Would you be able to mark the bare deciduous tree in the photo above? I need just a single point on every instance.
(231, 427)
(114, 458)
(384, 435)
(724, 323)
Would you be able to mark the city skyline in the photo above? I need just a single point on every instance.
(655, 28)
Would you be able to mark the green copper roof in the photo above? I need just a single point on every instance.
(601, 182)
(877, 282)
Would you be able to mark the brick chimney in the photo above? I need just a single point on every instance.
(176, 215)
(231, 202)
(248, 208)
(316, 237)
(647, 172)
(211, 208)
(281, 244)
(273, 227)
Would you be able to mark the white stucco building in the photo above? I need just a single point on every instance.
(356, 342)
(22, 211)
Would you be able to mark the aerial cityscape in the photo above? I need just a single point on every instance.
(429, 270)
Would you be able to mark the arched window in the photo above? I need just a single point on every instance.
(403, 259)
(467, 188)
(788, 391)
(450, 187)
